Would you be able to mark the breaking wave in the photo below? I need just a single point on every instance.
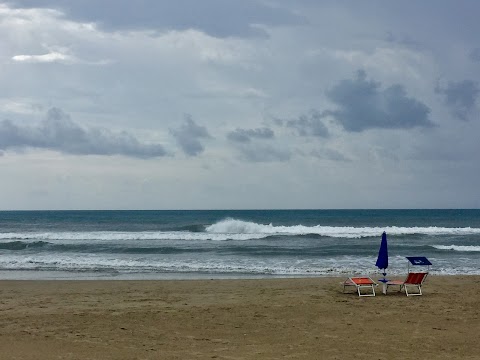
(232, 226)
(463, 248)
(232, 229)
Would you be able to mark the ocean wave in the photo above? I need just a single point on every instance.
(112, 236)
(233, 229)
(463, 248)
(22, 245)
(233, 226)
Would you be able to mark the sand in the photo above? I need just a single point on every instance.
(237, 319)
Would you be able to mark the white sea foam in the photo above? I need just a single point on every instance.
(159, 264)
(103, 265)
(463, 248)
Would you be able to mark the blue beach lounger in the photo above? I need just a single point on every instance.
(361, 282)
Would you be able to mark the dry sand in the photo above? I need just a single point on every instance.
(237, 319)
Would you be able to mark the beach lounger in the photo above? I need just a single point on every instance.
(363, 282)
(413, 280)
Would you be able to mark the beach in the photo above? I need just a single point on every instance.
(292, 318)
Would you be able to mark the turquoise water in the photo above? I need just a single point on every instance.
(231, 243)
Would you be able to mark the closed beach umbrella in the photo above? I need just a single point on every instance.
(382, 260)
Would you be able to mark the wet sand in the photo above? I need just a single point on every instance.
(308, 318)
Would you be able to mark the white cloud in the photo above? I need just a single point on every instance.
(45, 58)
(20, 106)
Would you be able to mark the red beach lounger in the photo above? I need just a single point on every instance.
(363, 282)
(414, 279)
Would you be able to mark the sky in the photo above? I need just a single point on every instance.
(227, 104)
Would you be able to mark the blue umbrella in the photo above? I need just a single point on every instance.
(382, 260)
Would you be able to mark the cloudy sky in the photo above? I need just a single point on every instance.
(227, 104)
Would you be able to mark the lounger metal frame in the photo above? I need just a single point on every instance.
(370, 285)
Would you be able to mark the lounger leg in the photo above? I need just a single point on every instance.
(367, 287)
(413, 294)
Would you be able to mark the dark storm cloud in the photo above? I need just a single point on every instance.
(220, 18)
(188, 136)
(460, 97)
(58, 132)
(246, 135)
(309, 125)
(363, 105)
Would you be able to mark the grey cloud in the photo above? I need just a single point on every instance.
(261, 153)
(58, 132)
(245, 135)
(188, 136)
(255, 151)
(330, 154)
(404, 40)
(309, 125)
(460, 97)
(363, 105)
(475, 54)
(220, 18)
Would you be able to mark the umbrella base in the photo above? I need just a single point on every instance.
(384, 285)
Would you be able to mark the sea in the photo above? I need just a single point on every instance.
(207, 244)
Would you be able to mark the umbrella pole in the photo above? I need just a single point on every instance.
(384, 282)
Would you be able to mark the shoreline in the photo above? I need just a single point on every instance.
(328, 279)
(31, 275)
(298, 318)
